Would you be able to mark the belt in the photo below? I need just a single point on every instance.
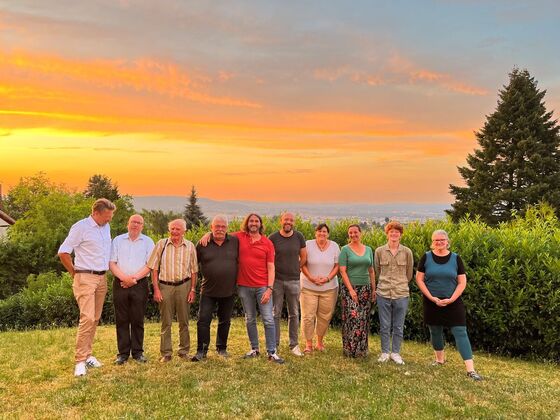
(98, 273)
(174, 283)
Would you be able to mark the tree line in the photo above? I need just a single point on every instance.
(44, 212)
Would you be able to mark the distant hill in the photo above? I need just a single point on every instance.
(313, 211)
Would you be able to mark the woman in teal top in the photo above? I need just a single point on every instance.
(442, 279)
(357, 293)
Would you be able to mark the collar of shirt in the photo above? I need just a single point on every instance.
(386, 248)
(127, 236)
(92, 222)
(183, 242)
(226, 239)
(250, 239)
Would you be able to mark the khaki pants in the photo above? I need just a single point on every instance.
(89, 291)
(317, 308)
(175, 302)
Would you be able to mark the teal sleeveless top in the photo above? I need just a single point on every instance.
(441, 279)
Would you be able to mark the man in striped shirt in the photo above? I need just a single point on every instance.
(174, 273)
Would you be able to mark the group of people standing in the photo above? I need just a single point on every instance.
(265, 271)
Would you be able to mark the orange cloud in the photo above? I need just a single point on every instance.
(140, 75)
(398, 70)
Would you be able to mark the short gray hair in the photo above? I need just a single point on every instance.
(180, 221)
(221, 217)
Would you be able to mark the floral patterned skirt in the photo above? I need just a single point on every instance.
(356, 321)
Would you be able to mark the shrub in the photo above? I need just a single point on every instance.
(512, 295)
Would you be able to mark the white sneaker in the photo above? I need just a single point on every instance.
(92, 362)
(80, 369)
(383, 358)
(297, 351)
(396, 357)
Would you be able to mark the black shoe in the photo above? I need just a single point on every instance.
(198, 357)
(141, 358)
(120, 360)
(223, 353)
(474, 375)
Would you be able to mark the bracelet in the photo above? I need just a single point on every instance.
(269, 287)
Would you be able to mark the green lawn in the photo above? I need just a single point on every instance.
(36, 381)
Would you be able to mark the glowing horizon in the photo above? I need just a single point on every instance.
(260, 102)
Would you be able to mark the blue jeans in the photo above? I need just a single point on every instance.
(391, 322)
(250, 297)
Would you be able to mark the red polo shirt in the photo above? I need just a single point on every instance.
(253, 258)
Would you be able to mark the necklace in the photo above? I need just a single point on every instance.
(322, 248)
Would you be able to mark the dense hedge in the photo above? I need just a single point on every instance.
(512, 295)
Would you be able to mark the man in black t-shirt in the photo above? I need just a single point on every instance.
(290, 254)
(218, 261)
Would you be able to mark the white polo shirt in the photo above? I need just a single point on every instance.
(90, 243)
(131, 255)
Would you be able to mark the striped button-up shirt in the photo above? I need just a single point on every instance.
(177, 262)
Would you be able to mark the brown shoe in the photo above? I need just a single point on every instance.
(165, 359)
(183, 356)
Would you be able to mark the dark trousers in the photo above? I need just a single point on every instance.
(205, 310)
(130, 308)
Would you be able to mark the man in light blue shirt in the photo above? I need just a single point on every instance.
(90, 241)
(129, 255)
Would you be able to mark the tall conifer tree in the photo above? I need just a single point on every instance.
(518, 162)
(193, 214)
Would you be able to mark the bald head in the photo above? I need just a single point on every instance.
(135, 226)
(287, 221)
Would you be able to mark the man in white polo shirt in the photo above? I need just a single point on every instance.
(129, 254)
(90, 240)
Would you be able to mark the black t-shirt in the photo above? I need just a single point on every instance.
(218, 265)
(286, 260)
(441, 260)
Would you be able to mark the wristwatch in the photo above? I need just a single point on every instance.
(269, 287)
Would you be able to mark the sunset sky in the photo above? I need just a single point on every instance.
(361, 101)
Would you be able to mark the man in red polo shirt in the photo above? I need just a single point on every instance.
(255, 280)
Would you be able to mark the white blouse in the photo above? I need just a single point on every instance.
(320, 263)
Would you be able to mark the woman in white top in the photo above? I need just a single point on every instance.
(319, 287)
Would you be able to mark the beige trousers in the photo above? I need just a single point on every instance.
(89, 291)
(175, 302)
(317, 308)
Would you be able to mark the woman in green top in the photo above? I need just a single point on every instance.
(356, 269)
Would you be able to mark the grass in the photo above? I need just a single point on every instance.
(36, 381)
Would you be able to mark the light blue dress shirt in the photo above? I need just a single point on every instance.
(130, 255)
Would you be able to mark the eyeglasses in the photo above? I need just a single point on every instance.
(439, 240)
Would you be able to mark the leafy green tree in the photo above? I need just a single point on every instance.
(193, 214)
(27, 192)
(156, 221)
(125, 209)
(101, 186)
(518, 162)
(32, 242)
